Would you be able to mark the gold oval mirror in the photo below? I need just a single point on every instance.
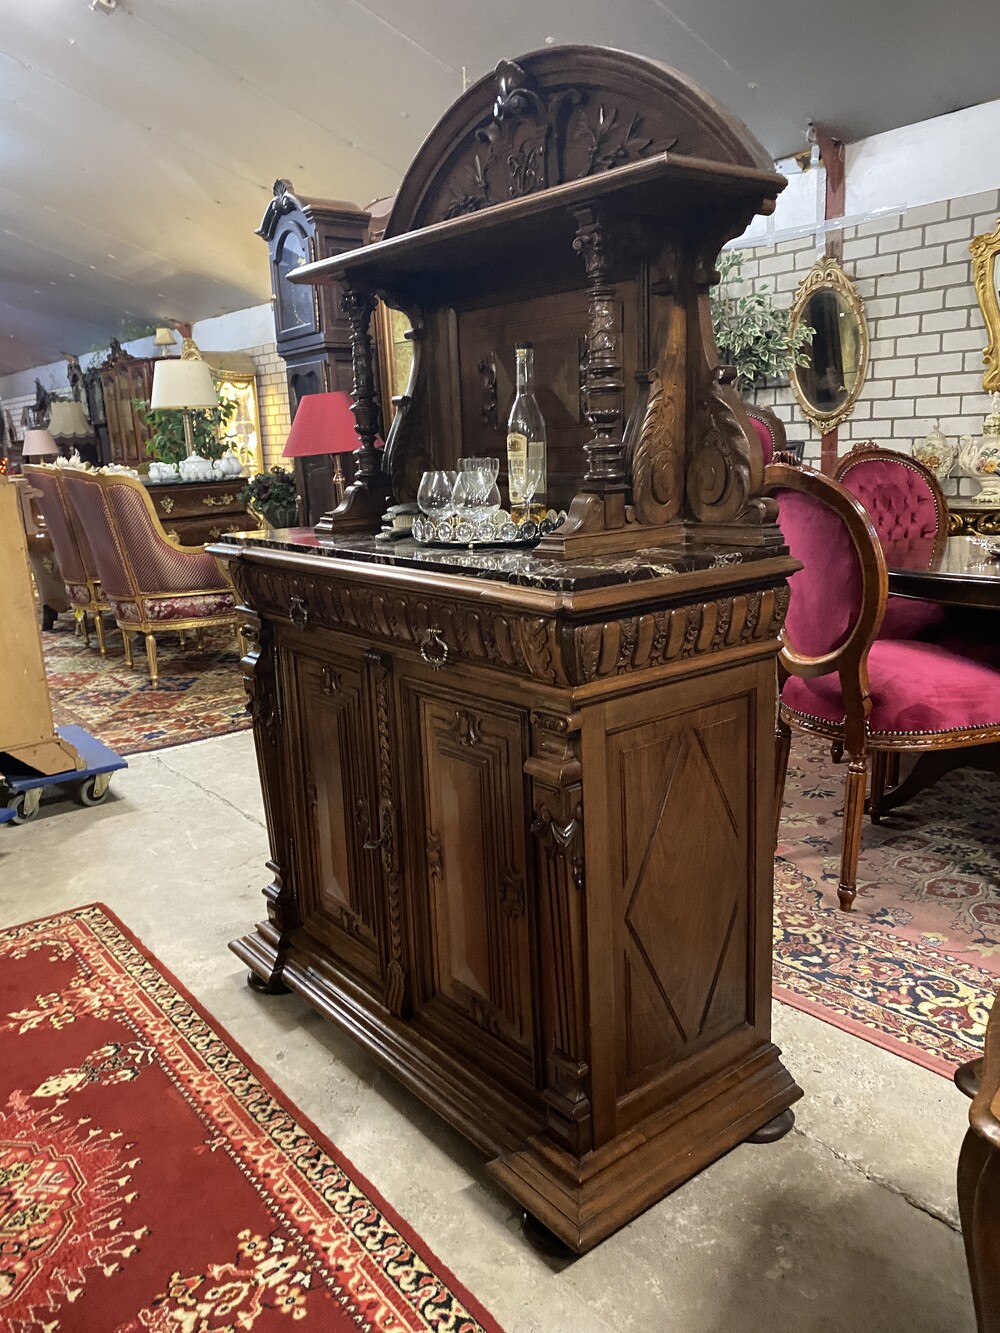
(986, 276)
(828, 386)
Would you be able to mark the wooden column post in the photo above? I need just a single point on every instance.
(831, 151)
(365, 499)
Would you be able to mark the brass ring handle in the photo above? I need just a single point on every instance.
(298, 613)
(433, 648)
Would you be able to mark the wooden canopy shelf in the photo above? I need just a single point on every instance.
(663, 188)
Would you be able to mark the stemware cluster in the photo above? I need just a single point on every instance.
(463, 506)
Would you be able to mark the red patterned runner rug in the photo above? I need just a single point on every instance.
(152, 1178)
(915, 966)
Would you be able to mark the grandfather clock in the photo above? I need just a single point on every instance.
(312, 334)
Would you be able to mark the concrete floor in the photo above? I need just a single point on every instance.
(848, 1223)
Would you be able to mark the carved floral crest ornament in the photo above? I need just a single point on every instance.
(985, 251)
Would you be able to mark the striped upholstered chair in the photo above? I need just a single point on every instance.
(70, 545)
(151, 582)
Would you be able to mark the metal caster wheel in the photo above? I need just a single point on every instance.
(25, 804)
(93, 790)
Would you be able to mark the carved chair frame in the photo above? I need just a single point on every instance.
(850, 662)
(871, 452)
(827, 275)
(985, 252)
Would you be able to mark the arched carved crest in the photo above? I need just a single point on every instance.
(561, 115)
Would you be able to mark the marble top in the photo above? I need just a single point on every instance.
(520, 567)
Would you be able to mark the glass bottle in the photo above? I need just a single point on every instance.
(525, 439)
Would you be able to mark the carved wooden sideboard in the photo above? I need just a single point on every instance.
(520, 803)
(195, 512)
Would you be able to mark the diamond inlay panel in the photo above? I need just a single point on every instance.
(683, 968)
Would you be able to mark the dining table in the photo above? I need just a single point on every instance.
(955, 572)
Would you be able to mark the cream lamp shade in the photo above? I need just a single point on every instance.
(68, 421)
(182, 384)
(164, 338)
(38, 444)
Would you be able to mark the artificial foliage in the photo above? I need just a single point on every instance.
(273, 495)
(751, 333)
(166, 442)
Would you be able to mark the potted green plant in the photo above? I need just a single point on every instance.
(273, 497)
(166, 441)
(751, 333)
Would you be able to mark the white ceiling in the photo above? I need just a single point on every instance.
(138, 147)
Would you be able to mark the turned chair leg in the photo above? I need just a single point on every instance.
(99, 627)
(151, 657)
(241, 641)
(880, 775)
(855, 782)
(127, 641)
(183, 637)
(892, 775)
(85, 629)
(782, 745)
(836, 751)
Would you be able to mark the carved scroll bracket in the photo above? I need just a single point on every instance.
(556, 775)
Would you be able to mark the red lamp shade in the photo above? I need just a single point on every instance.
(323, 424)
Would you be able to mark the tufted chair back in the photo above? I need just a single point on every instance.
(903, 498)
(769, 428)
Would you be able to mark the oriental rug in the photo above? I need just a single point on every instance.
(152, 1178)
(199, 692)
(916, 964)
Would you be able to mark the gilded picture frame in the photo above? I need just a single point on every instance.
(985, 251)
(395, 357)
(826, 300)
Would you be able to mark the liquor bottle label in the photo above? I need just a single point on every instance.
(517, 464)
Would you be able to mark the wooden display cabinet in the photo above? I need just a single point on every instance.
(521, 803)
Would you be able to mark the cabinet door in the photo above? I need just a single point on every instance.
(470, 876)
(330, 758)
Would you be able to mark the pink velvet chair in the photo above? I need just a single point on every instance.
(151, 582)
(903, 499)
(71, 547)
(840, 679)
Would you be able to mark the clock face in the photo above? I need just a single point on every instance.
(295, 307)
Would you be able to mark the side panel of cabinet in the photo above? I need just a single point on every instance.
(685, 776)
(469, 878)
(330, 765)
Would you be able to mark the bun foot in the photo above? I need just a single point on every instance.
(774, 1129)
(273, 986)
(539, 1237)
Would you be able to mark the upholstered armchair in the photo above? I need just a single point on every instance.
(151, 582)
(903, 499)
(72, 549)
(839, 678)
(771, 433)
(41, 556)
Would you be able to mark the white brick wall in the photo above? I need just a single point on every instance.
(272, 399)
(914, 274)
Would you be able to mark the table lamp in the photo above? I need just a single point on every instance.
(39, 443)
(323, 424)
(68, 421)
(184, 385)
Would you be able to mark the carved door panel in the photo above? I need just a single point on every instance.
(470, 883)
(330, 763)
(683, 879)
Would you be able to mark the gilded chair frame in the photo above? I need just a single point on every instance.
(985, 251)
(827, 275)
(850, 662)
(145, 624)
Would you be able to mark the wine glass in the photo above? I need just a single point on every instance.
(490, 465)
(531, 476)
(434, 495)
(476, 494)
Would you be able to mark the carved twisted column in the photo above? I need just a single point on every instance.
(604, 386)
(366, 497)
